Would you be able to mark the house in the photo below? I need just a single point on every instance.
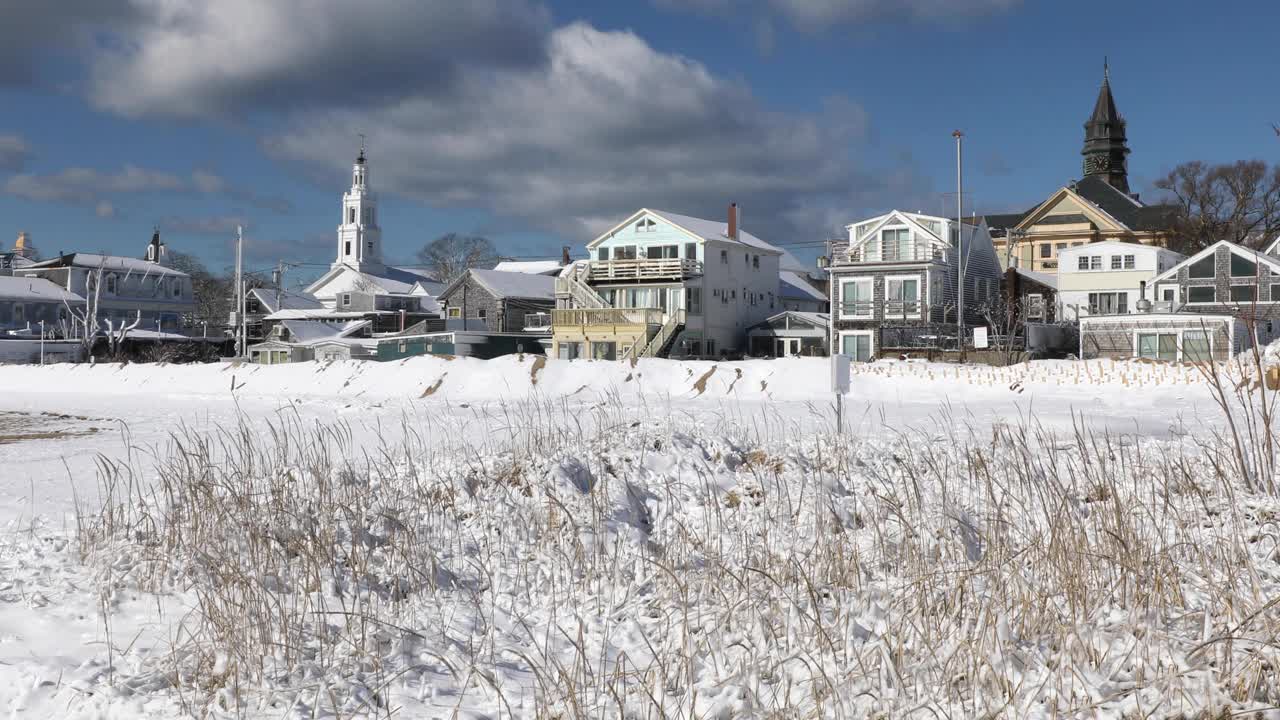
(789, 333)
(1098, 207)
(300, 340)
(799, 288)
(501, 302)
(896, 281)
(261, 303)
(129, 287)
(1106, 278)
(358, 266)
(1033, 294)
(1219, 302)
(28, 304)
(483, 345)
(664, 284)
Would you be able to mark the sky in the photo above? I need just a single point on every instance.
(542, 124)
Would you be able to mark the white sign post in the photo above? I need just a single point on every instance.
(979, 338)
(840, 385)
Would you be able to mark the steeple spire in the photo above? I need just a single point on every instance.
(1105, 144)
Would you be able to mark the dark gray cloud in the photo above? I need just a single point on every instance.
(194, 58)
(34, 28)
(14, 153)
(608, 125)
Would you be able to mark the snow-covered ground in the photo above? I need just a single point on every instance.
(595, 538)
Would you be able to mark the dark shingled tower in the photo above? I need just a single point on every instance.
(1105, 147)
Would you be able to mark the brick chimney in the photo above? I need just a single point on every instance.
(733, 221)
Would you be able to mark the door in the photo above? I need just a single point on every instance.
(786, 347)
(857, 345)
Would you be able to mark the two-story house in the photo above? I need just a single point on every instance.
(661, 284)
(1106, 278)
(127, 288)
(895, 281)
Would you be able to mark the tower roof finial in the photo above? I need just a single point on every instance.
(360, 159)
(1106, 71)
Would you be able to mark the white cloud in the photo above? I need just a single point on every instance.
(13, 152)
(817, 15)
(86, 185)
(194, 58)
(608, 125)
(105, 209)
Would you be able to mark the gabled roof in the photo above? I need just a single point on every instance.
(1254, 255)
(306, 332)
(388, 280)
(1130, 211)
(1049, 280)
(706, 230)
(508, 284)
(116, 263)
(820, 320)
(793, 286)
(266, 297)
(34, 289)
(905, 218)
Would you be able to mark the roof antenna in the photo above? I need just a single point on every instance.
(1106, 71)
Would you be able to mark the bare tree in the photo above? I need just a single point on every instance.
(87, 323)
(451, 255)
(213, 293)
(1239, 202)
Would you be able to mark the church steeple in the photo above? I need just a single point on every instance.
(1105, 145)
(359, 237)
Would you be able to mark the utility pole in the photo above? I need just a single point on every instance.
(239, 315)
(277, 279)
(960, 259)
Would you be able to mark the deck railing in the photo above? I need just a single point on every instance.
(606, 316)
(643, 269)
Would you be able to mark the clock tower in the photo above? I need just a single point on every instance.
(1105, 145)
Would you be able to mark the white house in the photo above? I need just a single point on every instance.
(358, 267)
(1106, 278)
(663, 284)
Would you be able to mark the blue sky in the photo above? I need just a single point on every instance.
(540, 124)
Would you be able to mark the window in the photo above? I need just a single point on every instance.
(1130, 262)
(646, 225)
(602, 253)
(1197, 346)
(1046, 250)
(1242, 267)
(1202, 294)
(755, 262)
(624, 252)
(693, 300)
(1243, 293)
(724, 257)
(346, 250)
(113, 282)
(1168, 294)
(604, 351)
(570, 350)
(1275, 293)
(746, 258)
(1083, 263)
(19, 313)
(368, 247)
(482, 313)
(1095, 262)
(346, 299)
(1202, 269)
(453, 313)
(1158, 346)
(897, 245)
(902, 296)
(177, 287)
(1116, 262)
(351, 215)
(664, 252)
(857, 346)
(1108, 303)
(691, 251)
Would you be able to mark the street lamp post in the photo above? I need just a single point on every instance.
(41, 342)
(960, 254)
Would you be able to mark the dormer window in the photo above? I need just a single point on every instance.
(896, 244)
(646, 225)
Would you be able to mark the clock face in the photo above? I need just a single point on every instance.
(1102, 162)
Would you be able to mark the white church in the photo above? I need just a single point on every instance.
(359, 269)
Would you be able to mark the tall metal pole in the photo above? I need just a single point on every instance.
(239, 290)
(960, 254)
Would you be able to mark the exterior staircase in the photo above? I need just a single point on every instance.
(572, 284)
(659, 344)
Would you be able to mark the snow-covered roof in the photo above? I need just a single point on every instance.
(1046, 279)
(128, 265)
(318, 314)
(34, 289)
(288, 300)
(793, 285)
(514, 284)
(714, 230)
(530, 267)
(386, 281)
(304, 332)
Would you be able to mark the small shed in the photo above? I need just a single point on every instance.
(791, 332)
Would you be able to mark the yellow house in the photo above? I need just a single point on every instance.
(1097, 208)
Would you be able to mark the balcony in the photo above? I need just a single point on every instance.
(602, 271)
(582, 317)
(920, 251)
(889, 310)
